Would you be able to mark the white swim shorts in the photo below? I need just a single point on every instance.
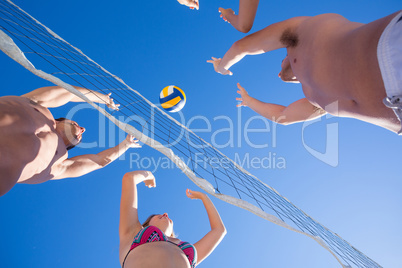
(389, 54)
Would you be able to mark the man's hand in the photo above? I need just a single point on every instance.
(216, 62)
(190, 3)
(227, 13)
(244, 96)
(110, 103)
(132, 142)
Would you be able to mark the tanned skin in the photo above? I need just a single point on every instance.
(334, 59)
(33, 145)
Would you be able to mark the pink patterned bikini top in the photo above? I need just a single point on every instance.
(151, 234)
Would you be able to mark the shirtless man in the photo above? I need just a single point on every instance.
(345, 69)
(33, 145)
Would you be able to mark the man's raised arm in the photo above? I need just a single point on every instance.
(83, 164)
(265, 40)
(298, 111)
(56, 96)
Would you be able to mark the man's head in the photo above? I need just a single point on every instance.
(70, 131)
(286, 74)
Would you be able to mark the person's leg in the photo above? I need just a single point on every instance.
(244, 21)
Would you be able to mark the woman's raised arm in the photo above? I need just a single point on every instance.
(129, 222)
(211, 240)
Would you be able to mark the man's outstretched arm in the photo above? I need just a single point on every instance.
(298, 111)
(56, 96)
(265, 40)
(83, 164)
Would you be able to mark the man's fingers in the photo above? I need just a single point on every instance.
(188, 193)
(195, 4)
(135, 143)
(191, 4)
(239, 99)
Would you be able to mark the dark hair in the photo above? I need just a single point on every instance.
(70, 146)
(60, 119)
(289, 38)
(146, 223)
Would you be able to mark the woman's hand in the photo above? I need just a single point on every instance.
(139, 176)
(149, 180)
(195, 194)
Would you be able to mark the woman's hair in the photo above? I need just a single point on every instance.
(146, 223)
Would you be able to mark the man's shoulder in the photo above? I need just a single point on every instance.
(320, 19)
(13, 98)
(22, 101)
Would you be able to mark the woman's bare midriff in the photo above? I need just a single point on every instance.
(160, 254)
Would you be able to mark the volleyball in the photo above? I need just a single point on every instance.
(172, 99)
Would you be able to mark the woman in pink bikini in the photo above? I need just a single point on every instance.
(152, 244)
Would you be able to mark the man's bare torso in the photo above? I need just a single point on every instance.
(29, 145)
(336, 63)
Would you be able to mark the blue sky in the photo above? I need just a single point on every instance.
(152, 44)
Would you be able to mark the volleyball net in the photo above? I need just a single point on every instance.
(47, 55)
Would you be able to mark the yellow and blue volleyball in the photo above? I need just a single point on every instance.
(172, 99)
